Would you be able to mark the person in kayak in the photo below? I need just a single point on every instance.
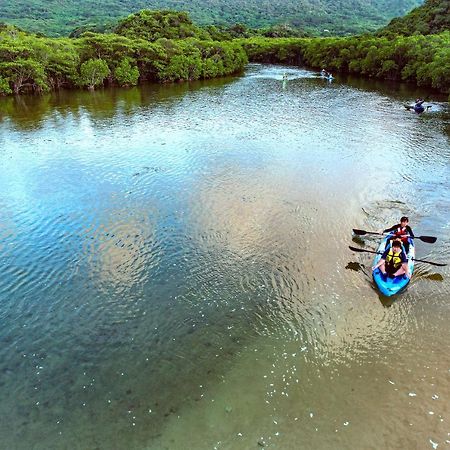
(324, 73)
(418, 106)
(401, 231)
(393, 262)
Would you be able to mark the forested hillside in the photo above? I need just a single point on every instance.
(61, 17)
(431, 18)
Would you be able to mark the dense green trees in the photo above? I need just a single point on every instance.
(126, 73)
(93, 72)
(424, 60)
(61, 17)
(154, 25)
(29, 63)
(431, 18)
(150, 48)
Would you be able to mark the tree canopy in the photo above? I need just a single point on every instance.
(166, 46)
(61, 17)
(34, 64)
(154, 25)
(424, 60)
(431, 18)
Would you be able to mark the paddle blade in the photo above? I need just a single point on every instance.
(362, 232)
(429, 239)
(362, 250)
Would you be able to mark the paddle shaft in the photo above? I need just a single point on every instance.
(428, 239)
(380, 253)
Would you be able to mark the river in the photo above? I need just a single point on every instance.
(175, 271)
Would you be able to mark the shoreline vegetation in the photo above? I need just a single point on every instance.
(165, 46)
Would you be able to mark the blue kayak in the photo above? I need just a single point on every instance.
(387, 285)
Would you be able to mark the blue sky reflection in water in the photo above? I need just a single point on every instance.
(175, 271)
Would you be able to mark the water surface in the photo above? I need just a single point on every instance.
(175, 270)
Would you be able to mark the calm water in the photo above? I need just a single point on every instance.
(175, 271)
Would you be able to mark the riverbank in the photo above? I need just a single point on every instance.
(36, 64)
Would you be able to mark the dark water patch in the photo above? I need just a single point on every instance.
(353, 265)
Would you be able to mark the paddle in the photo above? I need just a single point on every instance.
(380, 253)
(428, 239)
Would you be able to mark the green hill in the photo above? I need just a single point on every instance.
(61, 17)
(154, 25)
(431, 18)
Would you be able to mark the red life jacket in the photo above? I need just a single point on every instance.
(401, 232)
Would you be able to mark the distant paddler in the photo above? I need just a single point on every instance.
(324, 73)
(285, 79)
(418, 107)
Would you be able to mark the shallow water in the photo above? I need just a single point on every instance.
(175, 270)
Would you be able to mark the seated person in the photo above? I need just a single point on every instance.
(418, 106)
(401, 231)
(393, 262)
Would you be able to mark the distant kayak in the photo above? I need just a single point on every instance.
(326, 75)
(418, 109)
(388, 285)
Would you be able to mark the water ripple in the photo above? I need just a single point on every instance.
(157, 242)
